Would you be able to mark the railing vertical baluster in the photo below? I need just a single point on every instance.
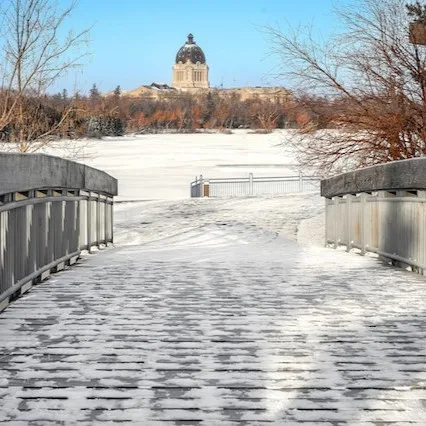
(64, 239)
(363, 222)
(89, 222)
(105, 201)
(44, 237)
(2, 247)
(50, 221)
(28, 252)
(8, 254)
(336, 222)
(329, 212)
(98, 220)
(348, 206)
(78, 223)
(422, 230)
(112, 221)
(327, 216)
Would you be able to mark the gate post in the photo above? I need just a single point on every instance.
(201, 186)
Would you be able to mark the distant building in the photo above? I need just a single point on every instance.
(190, 70)
(191, 74)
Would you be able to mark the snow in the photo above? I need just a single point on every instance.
(298, 217)
(225, 310)
(158, 169)
(162, 166)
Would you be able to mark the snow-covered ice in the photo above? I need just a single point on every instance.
(215, 311)
(161, 167)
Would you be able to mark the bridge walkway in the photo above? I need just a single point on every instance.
(226, 323)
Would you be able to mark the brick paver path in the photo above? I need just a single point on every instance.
(224, 324)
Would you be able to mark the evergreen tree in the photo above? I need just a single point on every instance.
(117, 91)
(210, 108)
(94, 93)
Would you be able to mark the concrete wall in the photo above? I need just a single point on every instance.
(25, 172)
(398, 175)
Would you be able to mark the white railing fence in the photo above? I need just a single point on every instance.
(381, 210)
(253, 185)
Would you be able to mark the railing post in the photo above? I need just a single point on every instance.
(2, 252)
(32, 261)
(50, 214)
(89, 223)
(300, 181)
(348, 206)
(251, 184)
(64, 237)
(78, 225)
(327, 219)
(46, 224)
(111, 206)
(106, 207)
(422, 230)
(363, 221)
(98, 220)
(336, 229)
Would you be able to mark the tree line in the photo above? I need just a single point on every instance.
(113, 114)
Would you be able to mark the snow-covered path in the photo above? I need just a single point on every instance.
(209, 312)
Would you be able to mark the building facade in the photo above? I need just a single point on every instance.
(190, 70)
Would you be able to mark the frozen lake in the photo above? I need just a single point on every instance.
(161, 167)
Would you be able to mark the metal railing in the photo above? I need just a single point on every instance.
(380, 210)
(50, 210)
(252, 186)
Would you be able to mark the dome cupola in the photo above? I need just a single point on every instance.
(191, 52)
(190, 70)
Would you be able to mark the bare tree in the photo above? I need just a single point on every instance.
(267, 114)
(374, 77)
(36, 50)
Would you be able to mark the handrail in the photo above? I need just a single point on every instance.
(26, 172)
(398, 175)
(50, 210)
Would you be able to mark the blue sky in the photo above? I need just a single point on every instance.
(134, 42)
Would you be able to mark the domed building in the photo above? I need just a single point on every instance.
(190, 70)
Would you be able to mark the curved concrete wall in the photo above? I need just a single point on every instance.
(26, 172)
(398, 175)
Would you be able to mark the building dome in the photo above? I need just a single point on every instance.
(190, 52)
